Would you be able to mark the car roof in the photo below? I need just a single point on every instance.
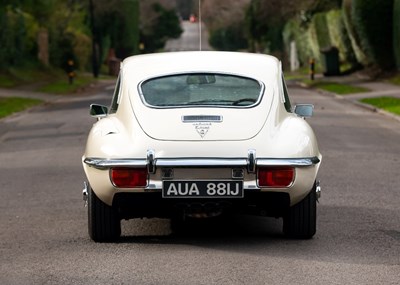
(259, 66)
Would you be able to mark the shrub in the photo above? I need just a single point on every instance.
(305, 40)
(165, 26)
(319, 21)
(339, 37)
(82, 48)
(17, 43)
(229, 38)
(396, 31)
(373, 19)
(353, 34)
(326, 29)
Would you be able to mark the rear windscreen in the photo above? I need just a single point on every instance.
(201, 89)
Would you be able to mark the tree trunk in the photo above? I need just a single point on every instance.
(43, 46)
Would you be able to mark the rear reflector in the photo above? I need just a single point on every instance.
(129, 177)
(275, 177)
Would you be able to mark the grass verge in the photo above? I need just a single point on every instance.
(389, 104)
(338, 88)
(12, 105)
(62, 86)
(29, 74)
(42, 79)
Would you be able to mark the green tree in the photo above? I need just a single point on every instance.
(396, 31)
(117, 26)
(48, 28)
(229, 38)
(373, 20)
(114, 27)
(256, 28)
(166, 25)
(15, 48)
(5, 36)
(226, 23)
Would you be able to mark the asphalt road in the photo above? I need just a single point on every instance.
(44, 240)
(43, 237)
(190, 38)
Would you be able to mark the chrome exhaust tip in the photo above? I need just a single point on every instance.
(85, 192)
(318, 190)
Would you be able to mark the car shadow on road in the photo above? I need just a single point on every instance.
(237, 228)
(353, 235)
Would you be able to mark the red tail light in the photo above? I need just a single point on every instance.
(129, 177)
(275, 176)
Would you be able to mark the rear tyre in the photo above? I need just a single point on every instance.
(103, 222)
(300, 220)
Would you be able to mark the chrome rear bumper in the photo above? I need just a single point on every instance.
(152, 163)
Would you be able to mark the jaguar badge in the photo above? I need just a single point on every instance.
(202, 128)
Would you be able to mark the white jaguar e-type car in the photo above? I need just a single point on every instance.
(198, 134)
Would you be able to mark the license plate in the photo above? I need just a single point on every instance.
(202, 189)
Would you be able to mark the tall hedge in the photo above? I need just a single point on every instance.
(353, 34)
(230, 38)
(164, 26)
(373, 19)
(325, 30)
(396, 31)
(303, 37)
(15, 48)
(127, 36)
(319, 21)
(340, 38)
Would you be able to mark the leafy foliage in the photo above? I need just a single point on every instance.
(323, 31)
(265, 22)
(165, 26)
(353, 34)
(229, 38)
(396, 31)
(362, 30)
(13, 36)
(225, 23)
(320, 24)
(51, 32)
(21, 21)
(305, 39)
(116, 25)
(339, 38)
(373, 19)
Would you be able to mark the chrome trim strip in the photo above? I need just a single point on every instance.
(199, 162)
(102, 163)
(297, 162)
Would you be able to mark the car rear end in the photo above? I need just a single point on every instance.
(201, 139)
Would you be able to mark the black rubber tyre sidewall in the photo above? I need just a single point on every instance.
(300, 220)
(103, 222)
